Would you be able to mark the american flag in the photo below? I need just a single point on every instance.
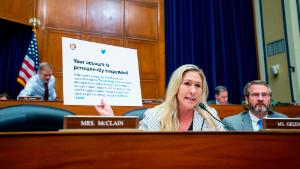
(30, 63)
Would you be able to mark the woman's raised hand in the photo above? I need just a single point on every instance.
(103, 109)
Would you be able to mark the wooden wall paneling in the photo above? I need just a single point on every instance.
(105, 16)
(161, 22)
(162, 80)
(58, 85)
(40, 33)
(66, 14)
(149, 89)
(53, 54)
(109, 40)
(39, 39)
(147, 56)
(17, 10)
(134, 24)
(52, 47)
(161, 74)
(141, 20)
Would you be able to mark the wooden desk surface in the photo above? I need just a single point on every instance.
(79, 110)
(130, 150)
(223, 110)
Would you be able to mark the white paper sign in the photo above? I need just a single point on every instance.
(92, 71)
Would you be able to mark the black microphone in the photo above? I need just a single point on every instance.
(225, 124)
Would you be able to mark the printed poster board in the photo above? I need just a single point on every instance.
(92, 71)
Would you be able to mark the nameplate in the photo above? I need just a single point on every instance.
(101, 122)
(281, 123)
(29, 98)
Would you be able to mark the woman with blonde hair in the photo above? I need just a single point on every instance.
(180, 111)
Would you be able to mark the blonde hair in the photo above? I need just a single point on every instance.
(169, 108)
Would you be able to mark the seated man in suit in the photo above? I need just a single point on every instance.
(258, 99)
(42, 84)
(221, 95)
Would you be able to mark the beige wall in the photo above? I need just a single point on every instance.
(292, 22)
(272, 29)
(273, 25)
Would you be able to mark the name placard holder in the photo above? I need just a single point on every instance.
(101, 122)
(281, 123)
(29, 98)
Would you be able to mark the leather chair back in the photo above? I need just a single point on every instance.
(32, 118)
(136, 112)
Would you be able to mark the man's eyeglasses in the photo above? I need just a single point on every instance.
(264, 95)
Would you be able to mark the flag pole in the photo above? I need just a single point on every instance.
(31, 60)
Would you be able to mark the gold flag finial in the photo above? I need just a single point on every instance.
(34, 22)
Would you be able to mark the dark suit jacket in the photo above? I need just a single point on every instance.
(242, 121)
(212, 102)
